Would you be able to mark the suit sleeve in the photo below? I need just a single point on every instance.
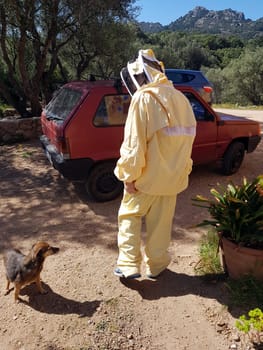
(133, 150)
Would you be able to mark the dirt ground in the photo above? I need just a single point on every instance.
(87, 307)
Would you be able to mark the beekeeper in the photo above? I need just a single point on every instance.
(154, 165)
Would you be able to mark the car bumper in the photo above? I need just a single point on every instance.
(72, 169)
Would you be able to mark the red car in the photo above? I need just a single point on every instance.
(83, 131)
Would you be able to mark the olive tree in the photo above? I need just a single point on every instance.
(104, 36)
(216, 77)
(33, 34)
(29, 29)
(243, 78)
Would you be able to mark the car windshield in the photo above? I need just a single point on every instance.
(62, 104)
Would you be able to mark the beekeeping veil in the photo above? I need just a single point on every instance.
(142, 70)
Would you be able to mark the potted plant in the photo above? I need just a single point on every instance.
(236, 213)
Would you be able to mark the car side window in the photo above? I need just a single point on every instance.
(179, 78)
(199, 110)
(113, 110)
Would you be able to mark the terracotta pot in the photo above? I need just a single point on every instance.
(241, 261)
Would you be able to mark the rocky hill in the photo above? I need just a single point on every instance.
(202, 20)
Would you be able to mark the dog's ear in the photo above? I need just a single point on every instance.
(37, 251)
(33, 252)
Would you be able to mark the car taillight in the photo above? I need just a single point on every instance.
(63, 146)
(259, 130)
(208, 89)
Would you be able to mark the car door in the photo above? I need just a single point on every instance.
(204, 148)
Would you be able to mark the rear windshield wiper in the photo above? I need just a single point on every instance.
(53, 117)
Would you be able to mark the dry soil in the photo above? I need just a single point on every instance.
(86, 306)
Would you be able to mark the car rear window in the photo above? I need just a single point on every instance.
(113, 110)
(63, 104)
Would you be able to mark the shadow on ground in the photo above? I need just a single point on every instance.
(173, 284)
(54, 303)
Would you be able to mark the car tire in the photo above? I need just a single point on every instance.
(233, 158)
(102, 185)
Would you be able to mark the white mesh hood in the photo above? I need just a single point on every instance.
(146, 63)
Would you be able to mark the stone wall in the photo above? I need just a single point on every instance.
(16, 130)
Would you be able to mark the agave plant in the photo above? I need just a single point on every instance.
(237, 211)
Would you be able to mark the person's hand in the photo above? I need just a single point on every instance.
(130, 187)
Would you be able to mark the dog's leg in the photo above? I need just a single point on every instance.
(39, 285)
(7, 286)
(17, 292)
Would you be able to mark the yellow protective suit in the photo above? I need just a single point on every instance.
(156, 154)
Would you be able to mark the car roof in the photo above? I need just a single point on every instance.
(88, 85)
(182, 76)
(183, 70)
(112, 87)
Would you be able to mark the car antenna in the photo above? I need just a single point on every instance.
(118, 85)
(92, 77)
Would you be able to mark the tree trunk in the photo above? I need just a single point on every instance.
(36, 107)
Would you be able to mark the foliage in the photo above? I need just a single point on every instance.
(252, 325)
(237, 106)
(246, 291)
(101, 36)
(41, 37)
(232, 64)
(108, 65)
(209, 263)
(3, 107)
(255, 320)
(247, 73)
(237, 211)
(45, 43)
(215, 75)
(27, 30)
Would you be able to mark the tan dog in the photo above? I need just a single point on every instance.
(25, 269)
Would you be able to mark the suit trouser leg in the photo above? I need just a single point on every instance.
(159, 221)
(132, 209)
(158, 211)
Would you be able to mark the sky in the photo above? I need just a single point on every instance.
(167, 11)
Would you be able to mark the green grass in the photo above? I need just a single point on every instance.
(27, 154)
(209, 263)
(246, 292)
(236, 106)
(245, 295)
(102, 325)
(3, 108)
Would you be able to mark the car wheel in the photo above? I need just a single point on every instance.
(233, 158)
(102, 185)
